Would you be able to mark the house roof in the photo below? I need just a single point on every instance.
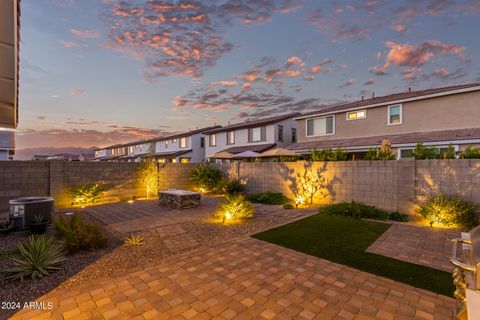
(168, 154)
(395, 139)
(253, 123)
(255, 148)
(394, 98)
(183, 134)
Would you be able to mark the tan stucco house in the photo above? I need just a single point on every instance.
(9, 64)
(435, 117)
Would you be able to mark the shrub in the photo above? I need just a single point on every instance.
(205, 177)
(148, 176)
(289, 158)
(230, 187)
(397, 216)
(449, 211)
(422, 152)
(471, 153)
(234, 209)
(275, 198)
(288, 206)
(384, 153)
(329, 154)
(356, 209)
(76, 234)
(36, 258)
(88, 193)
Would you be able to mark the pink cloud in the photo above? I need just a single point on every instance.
(293, 61)
(224, 83)
(69, 44)
(315, 69)
(399, 27)
(378, 70)
(85, 34)
(412, 56)
(78, 92)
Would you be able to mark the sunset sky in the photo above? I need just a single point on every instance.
(95, 73)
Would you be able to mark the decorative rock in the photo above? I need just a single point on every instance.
(179, 199)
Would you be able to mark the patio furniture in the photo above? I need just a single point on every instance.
(179, 199)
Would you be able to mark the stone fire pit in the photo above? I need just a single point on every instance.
(179, 199)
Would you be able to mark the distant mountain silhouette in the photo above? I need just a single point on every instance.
(27, 154)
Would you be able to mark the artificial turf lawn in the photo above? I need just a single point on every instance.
(344, 240)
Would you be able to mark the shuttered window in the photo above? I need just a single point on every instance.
(257, 134)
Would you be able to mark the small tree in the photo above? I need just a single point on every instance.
(148, 176)
(308, 184)
(471, 153)
(384, 153)
(422, 152)
(206, 177)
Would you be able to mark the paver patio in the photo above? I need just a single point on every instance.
(420, 245)
(243, 279)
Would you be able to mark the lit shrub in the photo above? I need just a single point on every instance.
(229, 187)
(89, 193)
(273, 198)
(235, 209)
(77, 234)
(133, 240)
(385, 152)
(206, 177)
(35, 258)
(448, 211)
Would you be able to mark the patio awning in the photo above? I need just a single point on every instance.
(278, 152)
(171, 154)
(221, 155)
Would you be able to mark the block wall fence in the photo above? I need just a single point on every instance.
(391, 185)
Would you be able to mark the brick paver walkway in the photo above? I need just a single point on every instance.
(147, 214)
(415, 244)
(245, 279)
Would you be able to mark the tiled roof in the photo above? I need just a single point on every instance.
(183, 134)
(254, 123)
(390, 98)
(416, 137)
(255, 148)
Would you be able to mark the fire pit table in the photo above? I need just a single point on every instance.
(179, 199)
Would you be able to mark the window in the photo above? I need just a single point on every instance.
(141, 147)
(405, 153)
(355, 115)
(173, 160)
(166, 144)
(320, 126)
(257, 134)
(213, 140)
(294, 135)
(202, 142)
(161, 160)
(395, 114)
(183, 142)
(184, 160)
(231, 137)
(130, 149)
(280, 133)
(174, 140)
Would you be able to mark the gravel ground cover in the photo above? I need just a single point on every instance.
(159, 243)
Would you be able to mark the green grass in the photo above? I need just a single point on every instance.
(344, 240)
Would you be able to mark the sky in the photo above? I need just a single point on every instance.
(96, 73)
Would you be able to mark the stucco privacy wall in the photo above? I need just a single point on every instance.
(55, 178)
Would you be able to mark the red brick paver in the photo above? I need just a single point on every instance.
(245, 279)
(420, 245)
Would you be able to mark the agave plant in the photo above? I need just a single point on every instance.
(133, 240)
(37, 257)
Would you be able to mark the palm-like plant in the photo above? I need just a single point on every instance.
(37, 257)
(133, 240)
(235, 209)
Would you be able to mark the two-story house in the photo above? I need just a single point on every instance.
(110, 153)
(436, 117)
(137, 150)
(185, 147)
(252, 135)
